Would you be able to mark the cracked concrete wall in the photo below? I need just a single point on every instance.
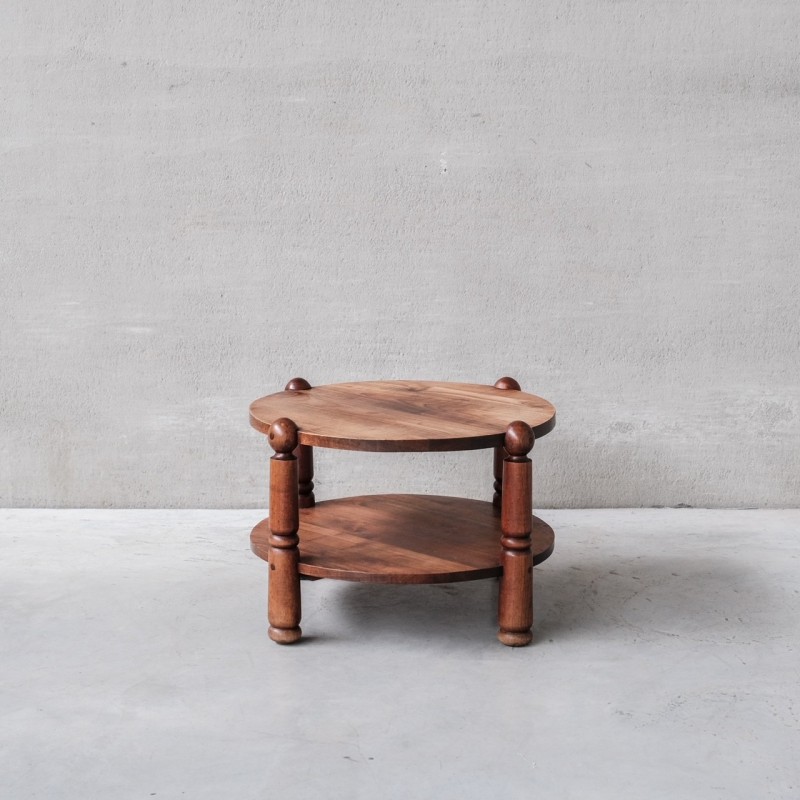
(598, 198)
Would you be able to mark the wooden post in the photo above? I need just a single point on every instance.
(284, 520)
(515, 608)
(305, 455)
(305, 474)
(500, 452)
(499, 459)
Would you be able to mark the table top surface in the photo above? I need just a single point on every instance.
(403, 416)
(402, 538)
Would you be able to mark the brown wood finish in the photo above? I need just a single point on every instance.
(304, 454)
(305, 475)
(500, 451)
(403, 416)
(284, 577)
(402, 538)
(515, 606)
(499, 461)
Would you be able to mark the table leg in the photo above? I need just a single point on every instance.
(500, 452)
(515, 608)
(305, 474)
(284, 521)
(499, 458)
(304, 453)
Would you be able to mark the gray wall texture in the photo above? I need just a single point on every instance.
(200, 201)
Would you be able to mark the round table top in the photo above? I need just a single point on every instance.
(403, 416)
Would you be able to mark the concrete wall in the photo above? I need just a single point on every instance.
(199, 201)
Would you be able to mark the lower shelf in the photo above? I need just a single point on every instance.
(402, 538)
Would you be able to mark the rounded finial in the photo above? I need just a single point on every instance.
(507, 383)
(297, 384)
(283, 435)
(519, 439)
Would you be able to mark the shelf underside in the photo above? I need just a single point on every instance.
(402, 538)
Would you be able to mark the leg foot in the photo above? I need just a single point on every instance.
(516, 599)
(515, 638)
(285, 635)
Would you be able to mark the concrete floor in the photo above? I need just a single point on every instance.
(135, 664)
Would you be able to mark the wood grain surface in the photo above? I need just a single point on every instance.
(402, 538)
(403, 416)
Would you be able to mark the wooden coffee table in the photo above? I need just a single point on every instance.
(401, 538)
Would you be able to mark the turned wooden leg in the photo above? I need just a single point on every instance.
(284, 520)
(499, 461)
(305, 475)
(515, 609)
(304, 453)
(500, 452)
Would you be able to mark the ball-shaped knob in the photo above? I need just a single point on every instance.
(519, 439)
(283, 435)
(507, 383)
(297, 384)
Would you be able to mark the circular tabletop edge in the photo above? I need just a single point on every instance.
(383, 445)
